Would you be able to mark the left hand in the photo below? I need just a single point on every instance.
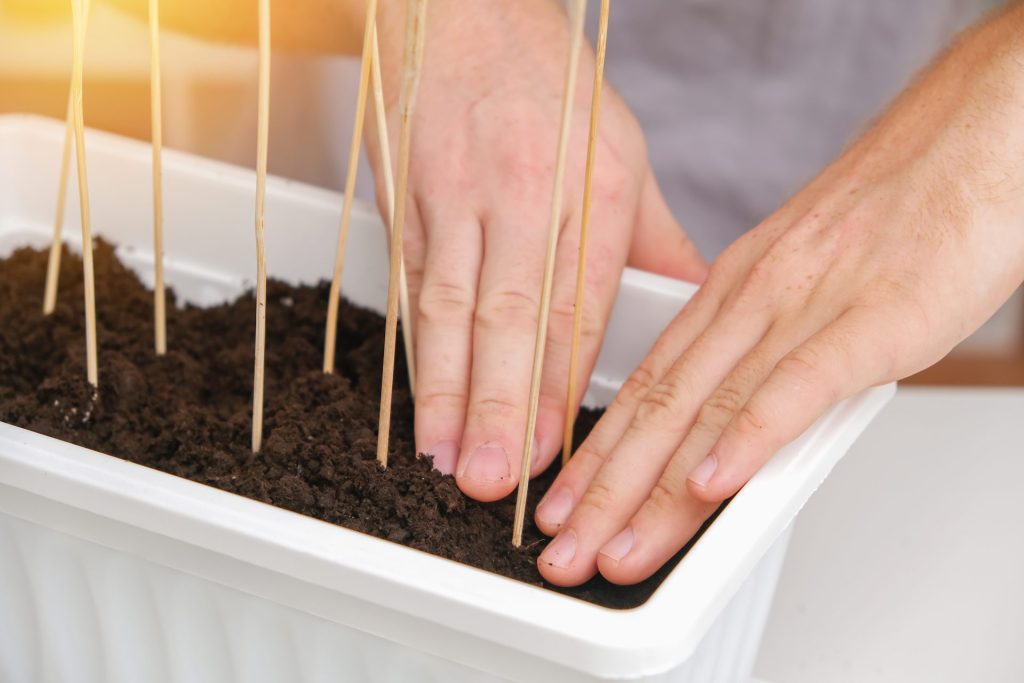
(874, 271)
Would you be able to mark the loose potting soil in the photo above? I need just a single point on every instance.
(188, 413)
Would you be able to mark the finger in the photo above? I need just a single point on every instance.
(661, 422)
(504, 332)
(444, 335)
(605, 260)
(568, 489)
(660, 244)
(668, 501)
(414, 254)
(674, 511)
(840, 360)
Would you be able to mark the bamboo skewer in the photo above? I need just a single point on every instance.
(579, 7)
(78, 20)
(159, 292)
(331, 333)
(53, 266)
(262, 135)
(415, 40)
(577, 317)
(389, 193)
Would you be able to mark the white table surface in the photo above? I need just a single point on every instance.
(908, 563)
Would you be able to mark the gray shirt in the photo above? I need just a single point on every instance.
(743, 101)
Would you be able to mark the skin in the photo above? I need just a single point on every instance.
(875, 270)
(475, 243)
(482, 168)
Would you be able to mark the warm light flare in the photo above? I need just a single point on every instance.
(35, 11)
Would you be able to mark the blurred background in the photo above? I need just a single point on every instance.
(209, 109)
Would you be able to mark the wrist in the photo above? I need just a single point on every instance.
(476, 40)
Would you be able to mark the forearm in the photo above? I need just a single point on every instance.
(992, 77)
(316, 26)
(962, 117)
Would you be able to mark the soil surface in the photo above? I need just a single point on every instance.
(188, 413)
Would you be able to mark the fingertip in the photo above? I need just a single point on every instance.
(618, 563)
(704, 493)
(703, 481)
(560, 563)
(554, 509)
(485, 473)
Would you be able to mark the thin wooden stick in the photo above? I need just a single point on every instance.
(555, 220)
(159, 293)
(331, 333)
(389, 192)
(581, 267)
(92, 364)
(53, 266)
(262, 135)
(56, 244)
(415, 40)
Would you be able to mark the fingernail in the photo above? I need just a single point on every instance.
(446, 454)
(555, 507)
(560, 551)
(703, 472)
(619, 547)
(487, 462)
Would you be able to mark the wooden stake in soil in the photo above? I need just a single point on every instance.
(555, 219)
(389, 193)
(331, 334)
(78, 20)
(159, 293)
(415, 40)
(53, 266)
(581, 267)
(262, 134)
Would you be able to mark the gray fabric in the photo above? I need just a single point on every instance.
(743, 101)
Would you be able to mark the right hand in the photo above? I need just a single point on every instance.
(483, 151)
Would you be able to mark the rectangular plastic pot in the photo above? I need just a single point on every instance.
(110, 571)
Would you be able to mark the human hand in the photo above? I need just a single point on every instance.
(874, 271)
(481, 172)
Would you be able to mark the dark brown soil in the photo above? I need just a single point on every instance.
(188, 413)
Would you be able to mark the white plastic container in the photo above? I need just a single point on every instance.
(110, 571)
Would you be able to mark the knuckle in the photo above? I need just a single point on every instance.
(562, 319)
(507, 309)
(496, 406)
(445, 302)
(434, 399)
(802, 364)
(599, 498)
(562, 314)
(661, 404)
(636, 386)
(665, 496)
(720, 407)
(749, 422)
(806, 370)
(758, 283)
(590, 455)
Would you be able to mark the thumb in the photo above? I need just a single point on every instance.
(660, 244)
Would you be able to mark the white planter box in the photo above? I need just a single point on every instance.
(110, 571)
